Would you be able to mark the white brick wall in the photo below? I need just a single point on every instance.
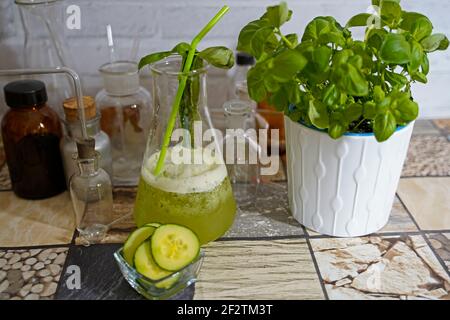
(161, 24)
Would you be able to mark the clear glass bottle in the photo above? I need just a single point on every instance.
(45, 45)
(194, 193)
(91, 193)
(238, 86)
(126, 115)
(73, 134)
(241, 150)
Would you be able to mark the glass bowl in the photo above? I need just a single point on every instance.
(165, 287)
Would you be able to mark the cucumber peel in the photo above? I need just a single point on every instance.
(135, 239)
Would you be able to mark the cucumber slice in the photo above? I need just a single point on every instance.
(174, 246)
(145, 264)
(134, 240)
(152, 224)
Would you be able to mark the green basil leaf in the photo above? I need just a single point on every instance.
(337, 129)
(408, 110)
(220, 57)
(182, 49)
(321, 58)
(349, 79)
(279, 99)
(416, 55)
(255, 83)
(384, 125)
(316, 28)
(360, 20)
(375, 38)
(332, 37)
(408, 20)
(152, 58)
(437, 41)
(287, 64)
(256, 38)
(353, 112)
(370, 110)
(292, 38)
(419, 76)
(395, 79)
(425, 65)
(390, 12)
(294, 93)
(421, 28)
(318, 114)
(277, 15)
(330, 95)
(378, 94)
(395, 49)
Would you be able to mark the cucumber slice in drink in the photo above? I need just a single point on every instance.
(153, 224)
(134, 240)
(145, 264)
(174, 246)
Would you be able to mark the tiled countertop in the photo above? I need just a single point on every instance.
(266, 254)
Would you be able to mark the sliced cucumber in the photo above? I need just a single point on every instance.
(145, 264)
(174, 246)
(134, 240)
(152, 224)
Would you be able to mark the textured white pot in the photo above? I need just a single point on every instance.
(344, 187)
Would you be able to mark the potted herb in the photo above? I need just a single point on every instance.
(348, 108)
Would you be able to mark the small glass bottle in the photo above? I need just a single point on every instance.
(91, 193)
(31, 135)
(238, 87)
(73, 134)
(241, 150)
(126, 115)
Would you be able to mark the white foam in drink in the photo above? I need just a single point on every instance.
(185, 177)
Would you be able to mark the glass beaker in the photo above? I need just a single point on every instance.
(44, 27)
(193, 191)
(126, 114)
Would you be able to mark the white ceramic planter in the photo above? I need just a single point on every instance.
(344, 187)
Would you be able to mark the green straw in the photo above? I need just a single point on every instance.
(182, 85)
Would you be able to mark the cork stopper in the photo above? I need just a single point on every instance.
(71, 108)
(86, 149)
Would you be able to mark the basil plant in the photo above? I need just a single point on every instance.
(334, 82)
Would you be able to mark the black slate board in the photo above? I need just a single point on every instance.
(100, 276)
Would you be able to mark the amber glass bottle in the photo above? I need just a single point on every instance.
(31, 133)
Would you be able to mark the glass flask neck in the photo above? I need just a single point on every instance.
(88, 167)
(74, 127)
(236, 113)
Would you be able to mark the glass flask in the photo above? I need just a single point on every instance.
(91, 193)
(44, 26)
(241, 149)
(31, 136)
(73, 134)
(126, 115)
(194, 191)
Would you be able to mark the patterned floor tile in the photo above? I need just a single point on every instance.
(428, 201)
(380, 268)
(279, 269)
(399, 221)
(441, 245)
(427, 156)
(30, 274)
